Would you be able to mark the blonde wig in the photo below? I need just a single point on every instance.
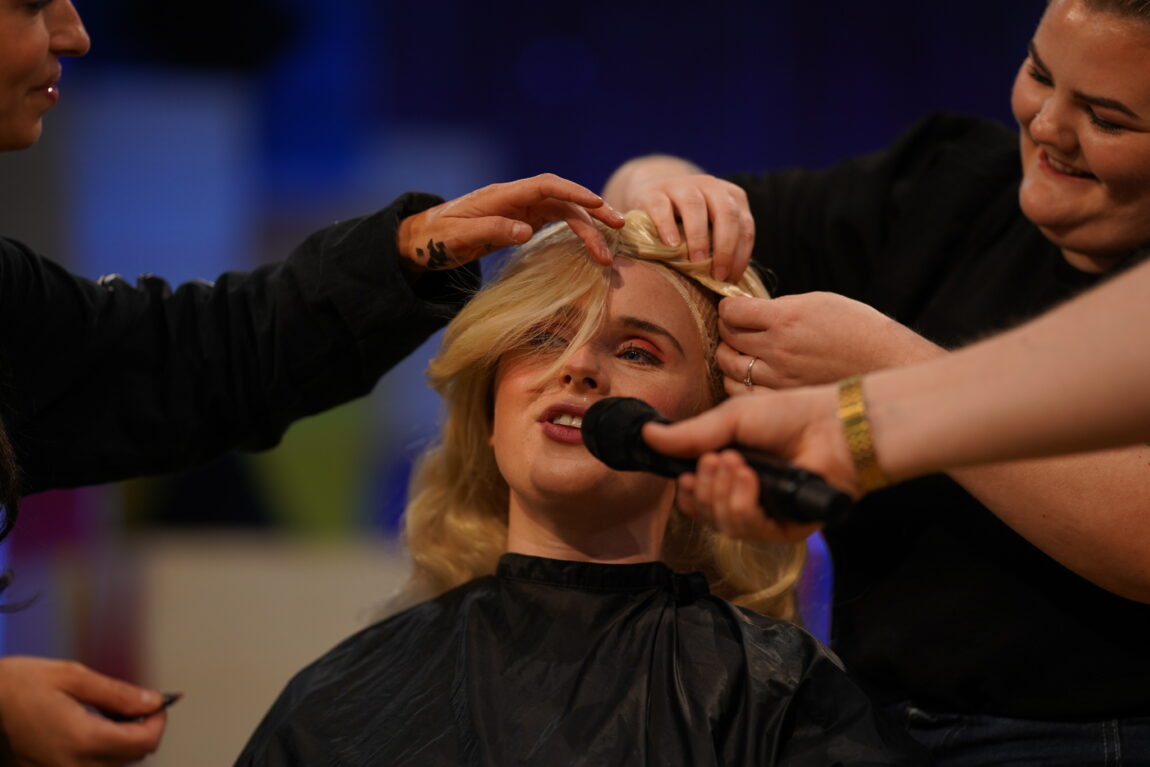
(456, 518)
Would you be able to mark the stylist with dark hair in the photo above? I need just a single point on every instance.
(100, 381)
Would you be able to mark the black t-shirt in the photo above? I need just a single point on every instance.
(936, 600)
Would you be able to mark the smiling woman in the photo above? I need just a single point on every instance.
(560, 628)
(1085, 130)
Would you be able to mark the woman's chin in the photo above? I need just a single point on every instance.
(595, 488)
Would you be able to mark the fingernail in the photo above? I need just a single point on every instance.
(721, 273)
(699, 255)
(151, 698)
(521, 232)
(673, 240)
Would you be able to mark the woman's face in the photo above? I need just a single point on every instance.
(1082, 100)
(33, 37)
(649, 347)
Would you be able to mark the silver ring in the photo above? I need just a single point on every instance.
(747, 378)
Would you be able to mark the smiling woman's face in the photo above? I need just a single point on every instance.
(33, 37)
(1082, 101)
(649, 346)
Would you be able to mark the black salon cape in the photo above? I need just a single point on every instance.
(567, 663)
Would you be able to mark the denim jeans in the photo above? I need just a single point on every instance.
(975, 740)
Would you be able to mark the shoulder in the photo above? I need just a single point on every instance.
(15, 255)
(765, 630)
(954, 128)
(764, 642)
(405, 634)
(958, 142)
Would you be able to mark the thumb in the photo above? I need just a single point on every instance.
(745, 311)
(110, 694)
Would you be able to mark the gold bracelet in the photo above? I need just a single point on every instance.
(856, 428)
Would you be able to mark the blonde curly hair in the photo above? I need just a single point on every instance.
(455, 524)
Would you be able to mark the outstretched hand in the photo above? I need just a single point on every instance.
(496, 216)
(799, 426)
(46, 716)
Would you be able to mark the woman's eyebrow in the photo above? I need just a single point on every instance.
(1098, 101)
(636, 323)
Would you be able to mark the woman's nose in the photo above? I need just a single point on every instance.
(1050, 127)
(69, 38)
(582, 371)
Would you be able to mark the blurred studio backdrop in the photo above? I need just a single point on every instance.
(201, 137)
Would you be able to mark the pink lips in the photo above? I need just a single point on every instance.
(50, 88)
(566, 433)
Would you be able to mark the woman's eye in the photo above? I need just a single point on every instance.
(1102, 123)
(635, 353)
(545, 339)
(1039, 76)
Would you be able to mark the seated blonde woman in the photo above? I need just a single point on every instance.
(572, 615)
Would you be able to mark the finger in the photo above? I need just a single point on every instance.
(662, 212)
(706, 469)
(686, 495)
(104, 692)
(472, 238)
(123, 742)
(726, 220)
(735, 388)
(744, 247)
(526, 196)
(728, 357)
(607, 215)
(581, 224)
(747, 341)
(736, 365)
(531, 191)
(725, 521)
(744, 313)
(747, 517)
(745, 492)
(692, 208)
(743, 516)
(693, 436)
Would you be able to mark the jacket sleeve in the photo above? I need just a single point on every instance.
(100, 381)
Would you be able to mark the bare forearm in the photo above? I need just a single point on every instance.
(1075, 379)
(1088, 512)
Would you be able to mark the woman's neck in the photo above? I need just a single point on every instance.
(585, 534)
